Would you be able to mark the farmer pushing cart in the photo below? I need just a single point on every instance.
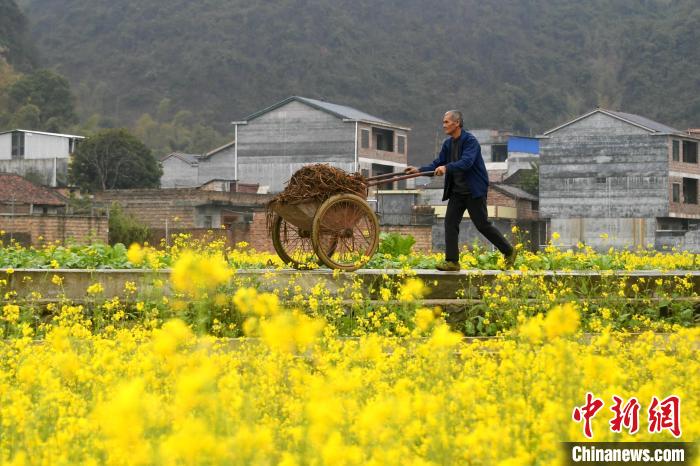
(466, 186)
(323, 214)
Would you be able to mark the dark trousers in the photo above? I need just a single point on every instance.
(479, 216)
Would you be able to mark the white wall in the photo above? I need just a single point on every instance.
(40, 146)
(6, 146)
(36, 146)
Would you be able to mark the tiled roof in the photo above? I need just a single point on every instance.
(343, 110)
(642, 121)
(340, 111)
(652, 126)
(514, 191)
(14, 188)
(192, 159)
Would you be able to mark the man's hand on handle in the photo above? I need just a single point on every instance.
(411, 170)
(441, 170)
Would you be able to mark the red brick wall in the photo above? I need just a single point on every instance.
(681, 209)
(496, 197)
(81, 229)
(525, 211)
(423, 234)
(153, 207)
(258, 238)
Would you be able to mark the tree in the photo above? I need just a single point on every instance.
(49, 92)
(26, 117)
(113, 159)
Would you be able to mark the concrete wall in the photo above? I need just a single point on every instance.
(276, 144)
(39, 170)
(468, 234)
(179, 174)
(602, 233)
(218, 166)
(602, 167)
(684, 241)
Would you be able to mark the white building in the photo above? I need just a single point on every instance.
(43, 157)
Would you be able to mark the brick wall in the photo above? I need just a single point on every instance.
(49, 228)
(681, 209)
(153, 207)
(423, 234)
(498, 198)
(258, 237)
(525, 211)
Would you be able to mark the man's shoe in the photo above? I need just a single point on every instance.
(510, 259)
(448, 266)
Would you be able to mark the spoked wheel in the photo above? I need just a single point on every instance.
(292, 244)
(345, 232)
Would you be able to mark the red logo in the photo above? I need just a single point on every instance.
(587, 412)
(663, 415)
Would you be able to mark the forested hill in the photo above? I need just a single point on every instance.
(521, 64)
(15, 46)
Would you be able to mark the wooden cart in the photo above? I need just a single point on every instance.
(341, 232)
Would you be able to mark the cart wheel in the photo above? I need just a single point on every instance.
(292, 244)
(345, 232)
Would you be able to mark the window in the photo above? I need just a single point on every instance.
(690, 152)
(690, 191)
(676, 151)
(17, 145)
(384, 139)
(401, 144)
(601, 180)
(365, 138)
(499, 152)
(208, 221)
(676, 192)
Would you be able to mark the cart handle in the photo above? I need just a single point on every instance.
(377, 179)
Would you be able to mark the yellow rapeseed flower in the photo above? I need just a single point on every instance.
(95, 288)
(412, 290)
(196, 273)
(561, 321)
(136, 254)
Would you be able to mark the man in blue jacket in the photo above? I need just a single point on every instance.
(466, 186)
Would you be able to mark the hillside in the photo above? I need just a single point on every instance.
(523, 64)
(15, 44)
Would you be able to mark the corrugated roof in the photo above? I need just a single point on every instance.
(44, 133)
(19, 190)
(340, 111)
(514, 191)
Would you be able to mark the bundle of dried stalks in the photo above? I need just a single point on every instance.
(317, 183)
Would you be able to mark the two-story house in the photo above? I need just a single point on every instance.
(610, 178)
(275, 142)
(41, 156)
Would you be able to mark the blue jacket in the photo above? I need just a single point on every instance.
(470, 165)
